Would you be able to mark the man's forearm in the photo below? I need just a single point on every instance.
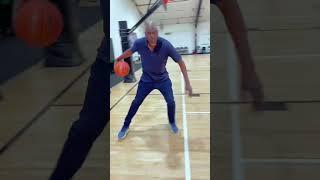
(236, 26)
(125, 55)
(183, 69)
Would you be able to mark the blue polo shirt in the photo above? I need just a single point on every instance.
(154, 63)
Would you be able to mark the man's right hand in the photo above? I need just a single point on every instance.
(250, 85)
(115, 61)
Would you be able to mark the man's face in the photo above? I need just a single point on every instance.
(152, 36)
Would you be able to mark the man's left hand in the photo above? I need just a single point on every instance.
(188, 89)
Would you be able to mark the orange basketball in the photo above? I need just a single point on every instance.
(38, 23)
(121, 68)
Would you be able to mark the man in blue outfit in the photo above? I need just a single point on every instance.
(154, 52)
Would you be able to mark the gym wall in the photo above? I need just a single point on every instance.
(183, 35)
(122, 10)
(203, 35)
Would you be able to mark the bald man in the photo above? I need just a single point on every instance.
(154, 52)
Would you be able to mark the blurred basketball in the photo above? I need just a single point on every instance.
(38, 23)
(121, 69)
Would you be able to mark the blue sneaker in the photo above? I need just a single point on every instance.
(174, 128)
(123, 133)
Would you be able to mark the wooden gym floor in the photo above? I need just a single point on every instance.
(151, 151)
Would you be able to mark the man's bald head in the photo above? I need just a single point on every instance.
(151, 32)
(150, 26)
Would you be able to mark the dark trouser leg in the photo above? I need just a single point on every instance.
(143, 90)
(166, 90)
(93, 119)
(5, 18)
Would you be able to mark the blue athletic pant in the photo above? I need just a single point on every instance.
(144, 88)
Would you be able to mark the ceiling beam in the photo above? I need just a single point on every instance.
(135, 3)
(140, 5)
(179, 18)
(171, 1)
(172, 23)
(149, 5)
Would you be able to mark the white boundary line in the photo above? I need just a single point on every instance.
(185, 133)
(237, 171)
